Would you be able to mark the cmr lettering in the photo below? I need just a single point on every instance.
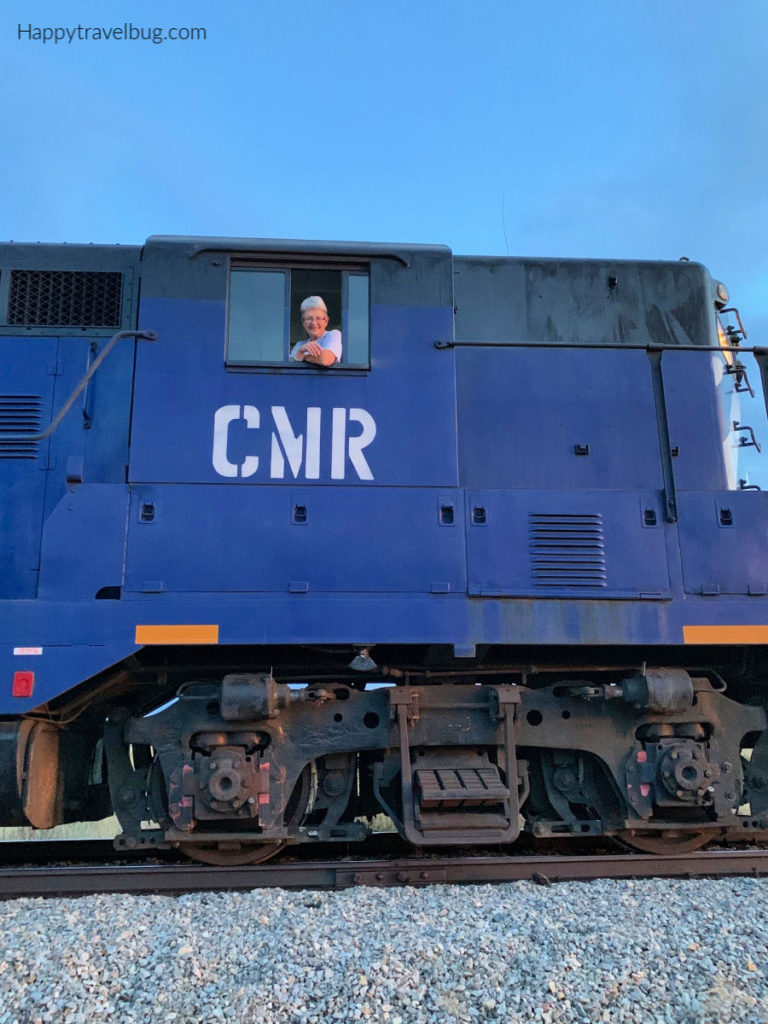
(296, 449)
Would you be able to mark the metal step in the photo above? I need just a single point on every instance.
(440, 788)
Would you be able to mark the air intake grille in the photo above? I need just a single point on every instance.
(65, 298)
(19, 414)
(567, 550)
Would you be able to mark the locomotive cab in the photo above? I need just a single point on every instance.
(272, 459)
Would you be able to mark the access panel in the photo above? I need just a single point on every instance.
(589, 544)
(27, 369)
(302, 539)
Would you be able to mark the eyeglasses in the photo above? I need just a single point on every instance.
(314, 319)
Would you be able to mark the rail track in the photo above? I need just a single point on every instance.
(86, 878)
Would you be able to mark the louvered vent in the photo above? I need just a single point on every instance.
(567, 550)
(65, 298)
(19, 414)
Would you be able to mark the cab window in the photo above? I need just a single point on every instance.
(264, 316)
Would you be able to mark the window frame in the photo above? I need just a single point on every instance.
(346, 268)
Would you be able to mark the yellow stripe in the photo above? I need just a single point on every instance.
(725, 634)
(177, 634)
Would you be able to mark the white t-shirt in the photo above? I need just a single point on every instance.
(330, 340)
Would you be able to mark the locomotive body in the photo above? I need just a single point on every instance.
(517, 501)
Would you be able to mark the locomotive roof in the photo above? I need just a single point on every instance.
(190, 245)
(202, 243)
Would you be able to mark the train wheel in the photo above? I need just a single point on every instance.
(224, 855)
(231, 853)
(665, 841)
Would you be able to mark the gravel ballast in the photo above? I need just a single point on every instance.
(656, 952)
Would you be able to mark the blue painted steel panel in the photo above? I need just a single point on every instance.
(269, 538)
(95, 430)
(522, 412)
(26, 389)
(723, 541)
(83, 546)
(697, 428)
(590, 544)
(61, 664)
(181, 381)
(79, 639)
(48, 370)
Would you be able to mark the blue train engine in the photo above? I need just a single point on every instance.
(500, 567)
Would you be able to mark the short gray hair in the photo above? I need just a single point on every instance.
(313, 302)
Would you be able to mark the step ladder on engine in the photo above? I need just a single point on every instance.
(456, 794)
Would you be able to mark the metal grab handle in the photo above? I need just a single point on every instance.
(743, 442)
(93, 348)
(649, 346)
(139, 335)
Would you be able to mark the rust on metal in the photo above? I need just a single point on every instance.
(151, 878)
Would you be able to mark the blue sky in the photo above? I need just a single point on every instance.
(550, 128)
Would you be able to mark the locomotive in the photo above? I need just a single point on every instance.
(499, 570)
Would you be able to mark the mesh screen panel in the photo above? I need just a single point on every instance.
(65, 298)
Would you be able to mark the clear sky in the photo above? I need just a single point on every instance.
(619, 128)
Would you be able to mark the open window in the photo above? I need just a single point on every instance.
(264, 318)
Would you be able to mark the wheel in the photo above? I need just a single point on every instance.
(664, 841)
(231, 854)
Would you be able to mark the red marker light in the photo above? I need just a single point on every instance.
(23, 684)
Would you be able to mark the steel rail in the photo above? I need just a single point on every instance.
(80, 880)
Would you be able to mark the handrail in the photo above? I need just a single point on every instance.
(647, 347)
(139, 335)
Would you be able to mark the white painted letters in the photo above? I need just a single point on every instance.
(363, 439)
(221, 421)
(287, 445)
(341, 445)
(338, 444)
(300, 450)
